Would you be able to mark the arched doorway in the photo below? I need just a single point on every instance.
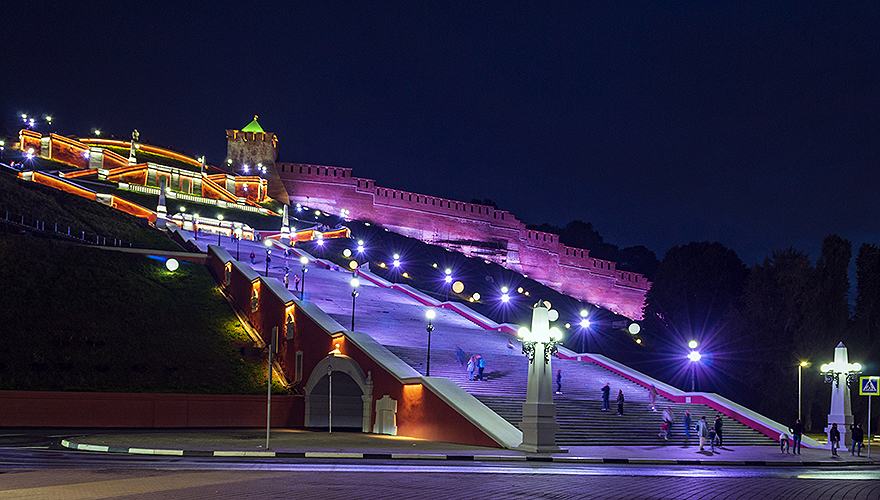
(352, 395)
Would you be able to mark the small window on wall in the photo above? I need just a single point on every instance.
(298, 369)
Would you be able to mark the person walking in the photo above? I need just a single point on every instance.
(459, 354)
(620, 400)
(510, 347)
(296, 282)
(669, 418)
(286, 280)
(783, 442)
(606, 392)
(834, 437)
(652, 393)
(702, 431)
(558, 381)
(797, 432)
(471, 365)
(252, 257)
(481, 365)
(718, 425)
(857, 437)
(687, 422)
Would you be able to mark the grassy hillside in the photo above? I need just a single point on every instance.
(80, 318)
(37, 202)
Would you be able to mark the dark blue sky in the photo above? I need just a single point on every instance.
(662, 123)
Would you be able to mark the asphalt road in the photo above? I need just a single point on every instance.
(33, 466)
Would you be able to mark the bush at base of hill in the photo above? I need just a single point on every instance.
(77, 318)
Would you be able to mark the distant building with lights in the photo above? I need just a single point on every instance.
(251, 150)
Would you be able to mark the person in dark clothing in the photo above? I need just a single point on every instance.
(606, 392)
(718, 425)
(834, 439)
(620, 401)
(797, 431)
(559, 382)
(857, 436)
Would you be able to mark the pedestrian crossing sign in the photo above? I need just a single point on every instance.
(869, 386)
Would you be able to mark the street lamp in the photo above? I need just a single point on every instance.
(448, 279)
(354, 293)
(694, 356)
(2, 147)
(303, 260)
(801, 366)
(48, 124)
(268, 245)
(430, 313)
(219, 227)
(196, 226)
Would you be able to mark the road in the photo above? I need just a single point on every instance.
(35, 467)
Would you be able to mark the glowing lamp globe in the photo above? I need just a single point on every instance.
(553, 315)
(692, 344)
(303, 260)
(430, 314)
(346, 253)
(694, 356)
(634, 328)
(353, 265)
(585, 323)
(172, 265)
(458, 287)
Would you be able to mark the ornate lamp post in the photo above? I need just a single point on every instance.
(430, 313)
(219, 227)
(539, 412)
(841, 404)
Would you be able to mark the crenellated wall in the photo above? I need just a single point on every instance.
(473, 229)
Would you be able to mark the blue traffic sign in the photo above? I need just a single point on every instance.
(869, 386)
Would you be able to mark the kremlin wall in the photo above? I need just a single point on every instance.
(476, 230)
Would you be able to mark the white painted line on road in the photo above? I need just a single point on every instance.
(92, 447)
(146, 451)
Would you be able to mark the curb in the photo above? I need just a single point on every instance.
(452, 458)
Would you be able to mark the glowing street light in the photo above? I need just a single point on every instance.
(430, 314)
(396, 260)
(268, 243)
(303, 260)
(801, 366)
(694, 356)
(539, 343)
(219, 227)
(448, 279)
(354, 285)
(360, 247)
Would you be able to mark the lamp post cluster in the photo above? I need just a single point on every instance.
(430, 314)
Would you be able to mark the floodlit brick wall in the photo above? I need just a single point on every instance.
(421, 413)
(477, 230)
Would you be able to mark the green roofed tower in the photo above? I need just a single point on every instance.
(252, 150)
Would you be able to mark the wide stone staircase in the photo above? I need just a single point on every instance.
(579, 408)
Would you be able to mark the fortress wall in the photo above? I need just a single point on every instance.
(477, 230)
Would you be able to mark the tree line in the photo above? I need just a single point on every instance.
(754, 325)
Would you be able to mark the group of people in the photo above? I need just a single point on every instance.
(857, 437)
(711, 435)
(475, 367)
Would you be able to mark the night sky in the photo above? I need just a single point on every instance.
(757, 126)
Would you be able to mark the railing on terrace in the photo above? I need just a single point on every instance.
(174, 195)
(65, 231)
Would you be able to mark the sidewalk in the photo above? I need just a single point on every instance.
(285, 443)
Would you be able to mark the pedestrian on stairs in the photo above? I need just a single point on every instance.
(702, 431)
(669, 418)
(459, 354)
(718, 425)
(481, 365)
(687, 422)
(472, 363)
(606, 391)
(652, 392)
(558, 381)
(252, 257)
(296, 282)
(286, 280)
(620, 400)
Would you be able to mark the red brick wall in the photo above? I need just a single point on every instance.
(453, 223)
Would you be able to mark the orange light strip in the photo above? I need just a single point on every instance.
(144, 147)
